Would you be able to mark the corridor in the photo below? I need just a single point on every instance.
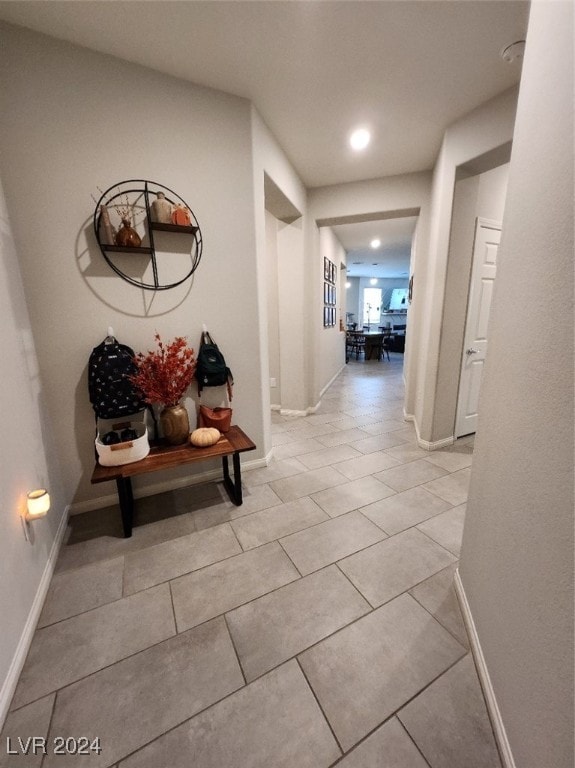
(316, 625)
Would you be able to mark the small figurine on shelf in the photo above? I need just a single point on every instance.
(161, 209)
(181, 216)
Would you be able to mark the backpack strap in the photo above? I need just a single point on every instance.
(230, 383)
(205, 339)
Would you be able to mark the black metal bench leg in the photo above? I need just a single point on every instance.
(233, 487)
(126, 498)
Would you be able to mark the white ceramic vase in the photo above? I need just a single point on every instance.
(161, 210)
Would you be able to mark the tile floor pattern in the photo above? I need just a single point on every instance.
(315, 625)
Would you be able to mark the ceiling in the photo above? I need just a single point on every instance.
(315, 69)
(390, 259)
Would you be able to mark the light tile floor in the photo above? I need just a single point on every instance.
(315, 625)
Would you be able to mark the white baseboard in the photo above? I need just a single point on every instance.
(9, 685)
(330, 382)
(436, 445)
(426, 445)
(78, 507)
(312, 408)
(483, 674)
(308, 411)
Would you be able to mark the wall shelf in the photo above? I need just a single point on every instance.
(130, 199)
(159, 227)
(126, 249)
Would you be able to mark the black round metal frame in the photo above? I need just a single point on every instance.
(124, 189)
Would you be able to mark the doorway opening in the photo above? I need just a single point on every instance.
(376, 256)
(284, 237)
(480, 191)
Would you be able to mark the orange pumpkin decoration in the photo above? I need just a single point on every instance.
(181, 216)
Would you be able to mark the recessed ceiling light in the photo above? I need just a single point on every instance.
(359, 139)
(375, 243)
(373, 281)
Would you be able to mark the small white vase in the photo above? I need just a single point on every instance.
(161, 210)
(106, 231)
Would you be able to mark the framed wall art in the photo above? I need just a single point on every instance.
(329, 292)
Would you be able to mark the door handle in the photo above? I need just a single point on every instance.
(471, 351)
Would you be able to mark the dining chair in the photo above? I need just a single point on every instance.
(355, 344)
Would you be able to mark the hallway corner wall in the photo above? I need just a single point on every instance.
(293, 276)
(479, 196)
(331, 344)
(59, 142)
(518, 554)
(29, 461)
(484, 129)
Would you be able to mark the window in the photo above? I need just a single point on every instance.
(398, 299)
(371, 305)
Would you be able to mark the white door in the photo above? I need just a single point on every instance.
(487, 237)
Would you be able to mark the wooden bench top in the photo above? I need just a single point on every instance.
(168, 456)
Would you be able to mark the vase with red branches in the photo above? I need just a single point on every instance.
(163, 375)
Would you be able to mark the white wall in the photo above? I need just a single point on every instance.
(486, 128)
(352, 299)
(414, 335)
(331, 357)
(294, 316)
(71, 121)
(272, 291)
(391, 195)
(294, 312)
(517, 557)
(29, 461)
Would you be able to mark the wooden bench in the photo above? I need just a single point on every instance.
(162, 456)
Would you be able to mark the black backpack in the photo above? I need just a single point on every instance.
(211, 368)
(112, 394)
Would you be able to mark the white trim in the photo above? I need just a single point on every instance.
(11, 680)
(483, 673)
(436, 445)
(330, 382)
(308, 411)
(425, 444)
(78, 507)
(312, 408)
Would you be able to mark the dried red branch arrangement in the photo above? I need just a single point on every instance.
(165, 374)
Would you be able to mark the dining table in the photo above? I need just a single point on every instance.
(370, 341)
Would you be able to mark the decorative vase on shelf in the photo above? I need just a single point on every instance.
(175, 424)
(107, 232)
(161, 210)
(127, 236)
